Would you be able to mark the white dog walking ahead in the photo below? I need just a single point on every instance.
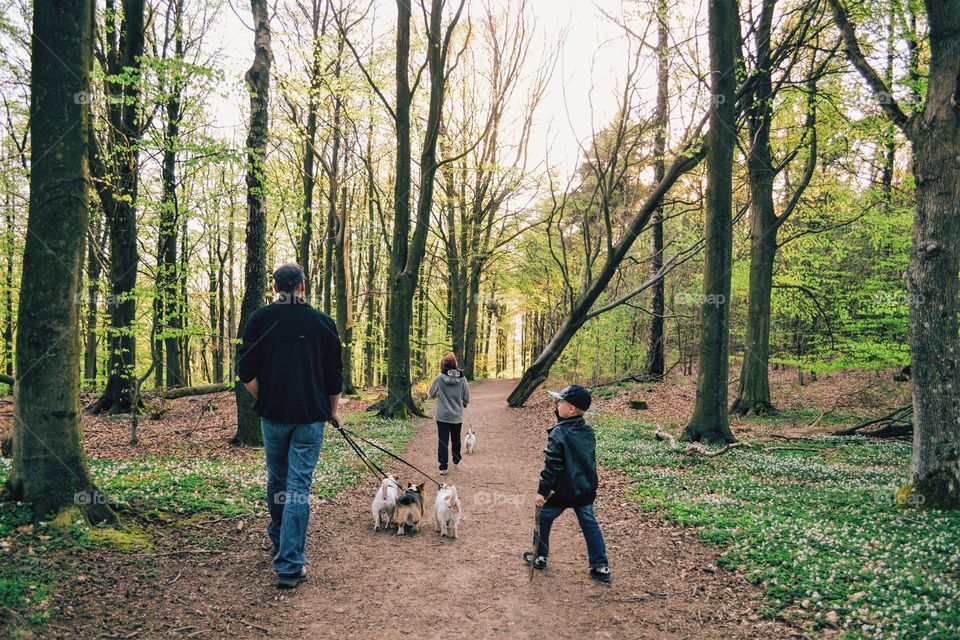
(448, 511)
(385, 503)
(470, 442)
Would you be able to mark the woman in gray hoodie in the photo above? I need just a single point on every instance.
(452, 394)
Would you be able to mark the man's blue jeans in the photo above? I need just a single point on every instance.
(292, 453)
(596, 549)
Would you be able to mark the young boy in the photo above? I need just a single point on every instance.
(569, 480)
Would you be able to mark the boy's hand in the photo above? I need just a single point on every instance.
(540, 501)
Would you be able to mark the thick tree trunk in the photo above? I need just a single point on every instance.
(122, 217)
(49, 470)
(709, 422)
(753, 395)
(654, 369)
(932, 292)
(931, 276)
(255, 271)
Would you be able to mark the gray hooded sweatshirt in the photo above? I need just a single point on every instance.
(452, 394)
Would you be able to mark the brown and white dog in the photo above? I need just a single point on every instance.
(409, 509)
(448, 511)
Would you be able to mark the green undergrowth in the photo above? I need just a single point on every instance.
(160, 497)
(814, 522)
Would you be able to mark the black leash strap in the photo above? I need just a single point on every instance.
(349, 435)
(370, 464)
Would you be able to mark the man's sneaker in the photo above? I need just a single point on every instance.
(443, 472)
(601, 574)
(540, 562)
(291, 581)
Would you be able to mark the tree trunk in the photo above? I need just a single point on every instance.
(168, 274)
(49, 469)
(255, 271)
(309, 174)
(345, 293)
(932, 293)
(537, 373)
(931, 276)
(753, 395)
(95, 240)
(709, 422)
(121, 211)
(407, 255)
(654, 369)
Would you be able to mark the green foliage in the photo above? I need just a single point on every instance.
(819, 529)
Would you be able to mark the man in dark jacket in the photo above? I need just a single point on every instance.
(569, 480)
(290, 361)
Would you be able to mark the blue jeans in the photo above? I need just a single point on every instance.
(292, 452)
(596, 549)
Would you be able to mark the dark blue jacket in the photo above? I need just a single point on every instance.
(570, 464)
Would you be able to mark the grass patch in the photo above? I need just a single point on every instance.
(818, 530)
(160, 495)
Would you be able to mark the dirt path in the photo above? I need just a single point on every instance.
(366, 584)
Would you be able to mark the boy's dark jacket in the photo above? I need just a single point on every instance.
(570, 464)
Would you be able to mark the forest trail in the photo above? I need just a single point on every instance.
(367, 584)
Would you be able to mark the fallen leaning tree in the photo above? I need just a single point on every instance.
(898, 423)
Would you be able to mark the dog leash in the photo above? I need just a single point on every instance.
(350, 435)
(370, 464)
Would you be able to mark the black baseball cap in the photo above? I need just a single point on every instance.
(288, 276)
(575, 395)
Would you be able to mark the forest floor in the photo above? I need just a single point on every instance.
(191, 558)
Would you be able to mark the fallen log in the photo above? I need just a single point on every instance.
(5, 379)
(891, 425)
(184, 392)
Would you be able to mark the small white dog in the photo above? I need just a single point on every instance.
(470, 442)
(448, 511)
(385, 503)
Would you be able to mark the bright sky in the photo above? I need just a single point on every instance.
(593, 55)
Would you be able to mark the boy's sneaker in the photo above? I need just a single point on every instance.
(540, 562)
(291, 581)
(601, 574)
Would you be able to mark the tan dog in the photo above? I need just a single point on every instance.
(409, 509)
(448, 511)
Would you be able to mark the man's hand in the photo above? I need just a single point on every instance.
(253, 387)
(335, 408)
(540, 501)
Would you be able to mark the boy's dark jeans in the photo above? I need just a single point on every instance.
(596, 549)
(448, 436)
